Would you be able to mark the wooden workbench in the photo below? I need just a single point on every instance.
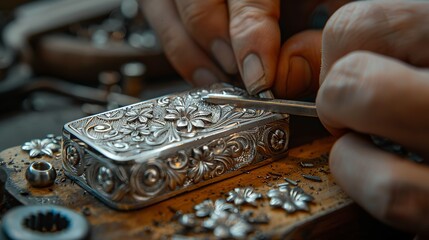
(332, 215)
(157, 221)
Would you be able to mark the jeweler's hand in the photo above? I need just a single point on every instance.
(209, 40)
(194, 32)
(375, 80)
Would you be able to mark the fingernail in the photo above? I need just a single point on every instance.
(203, 77)
(223, 53)
(299, 77)
(254, 74)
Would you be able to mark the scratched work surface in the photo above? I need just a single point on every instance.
(160, 221)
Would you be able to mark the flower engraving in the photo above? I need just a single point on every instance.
(136, 131)
(243, 195)
(143, 114)
(105, 179)
(278, 140)
(42, 147)
(202, 164)
(208, 208)
(228, 225)
(290, 199)
(72, 155)
(188, 117)
(163, 132)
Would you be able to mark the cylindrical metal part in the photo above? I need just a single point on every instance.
(40, 174)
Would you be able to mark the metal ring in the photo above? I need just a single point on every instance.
(47, 222)
(40, 174)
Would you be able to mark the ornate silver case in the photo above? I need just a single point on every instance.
(140, 154)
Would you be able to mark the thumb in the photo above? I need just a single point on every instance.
(299, 65)
(255, 38)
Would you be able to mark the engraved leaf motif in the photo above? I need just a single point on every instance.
(208, 207)
(143, 114)
(136, 131)
(162, 132)
(278, 140)
(176, 170)
(39, 147)
(169, 119)
(228, 225)
(243, 195)
(290, 199)
(202, 164)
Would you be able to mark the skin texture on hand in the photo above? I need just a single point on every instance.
(206, 40)
(210, 41)
(298, 68)
(375, 80)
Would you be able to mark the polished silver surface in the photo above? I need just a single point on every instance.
(40, 174)
(274, 105)
(312, 177)
(228, 225)
(39, 147)
(243, 195)
(290, 199)
(290, 181)
(47, 222)
(208, 207)
(143, 153)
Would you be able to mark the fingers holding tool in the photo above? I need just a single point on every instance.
(375, 81)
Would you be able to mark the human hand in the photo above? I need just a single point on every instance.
(375, 80)
(208, 41)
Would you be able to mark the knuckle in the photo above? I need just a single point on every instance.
(246, 21)
(349, 85)
(381, 193)
(341, 80)
(171, 43)
(406, 205)
(351, 20)
(194, 13)
(397, 195)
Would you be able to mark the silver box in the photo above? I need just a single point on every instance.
(140, 154)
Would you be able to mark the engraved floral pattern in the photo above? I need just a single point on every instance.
(142, 115)
(42, 147)
(72, 155)
(128, 133)
(161, 121)
(105, 179)
(188, 117)
(243, 195)
(136, 131)
(290, 199)
(228, 225)
(278, 140)
(208, 208)
(202, 164)
(163, 132)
